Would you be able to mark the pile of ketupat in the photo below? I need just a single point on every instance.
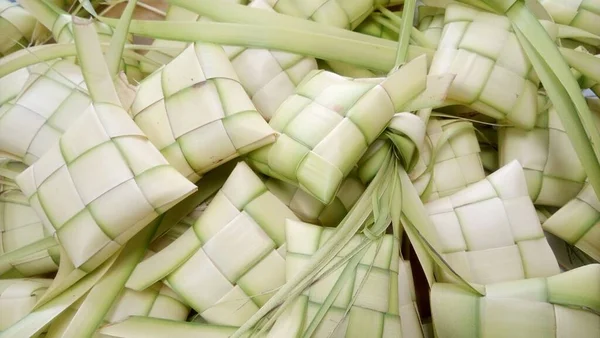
(300, 168)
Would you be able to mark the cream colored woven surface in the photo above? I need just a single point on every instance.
(195, 111)
(584, 14)
(578, 222)
(339, 13)
(101, 184)
(553, 171)
(20, 226)
(493, 74)
(489, 232)
(373, 309)
(239, 260)
(556, 307)
(54, 97)
(457, 163)
(17, 298)
(268, 77)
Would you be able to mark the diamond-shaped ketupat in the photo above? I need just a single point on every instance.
(367, 302)
(329, 123)
(493, 74)
(489, 232)
(230, 261)
(564, 305)
(195, 111)
(101, 184)
(268, 76)
(103, 181)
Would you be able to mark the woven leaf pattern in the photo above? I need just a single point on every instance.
(201, 117)
(246, 218)
(29, 125)
(560, 305)
(375, 310)
(100, 192)
(457, 163)
(339, 13)
(16, 25)
(489, 232)
(582, 14)
(20, 226)
(311, 210)
(328, 124)
(553, 171)
(17, 298)
(493, 75)
(578, 222)
(268, 77)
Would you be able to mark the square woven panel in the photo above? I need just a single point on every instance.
(553, 171)
(98, 191)
(21, 226)
(457, 162)
(328, 124)
(563, 307)
(578, 222)
(493, 74)
(195, 111)
(369, 296)
(489, 232)
(53, 97)
(268, 77)
(235, 258)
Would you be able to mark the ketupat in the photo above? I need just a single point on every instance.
(489, 232)
(552, 169)
(268, 76)
(357, 299)
(494, 76)
(226, 126)
(329, 123)
(115, 164)
(405, 159)
(239, 241)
